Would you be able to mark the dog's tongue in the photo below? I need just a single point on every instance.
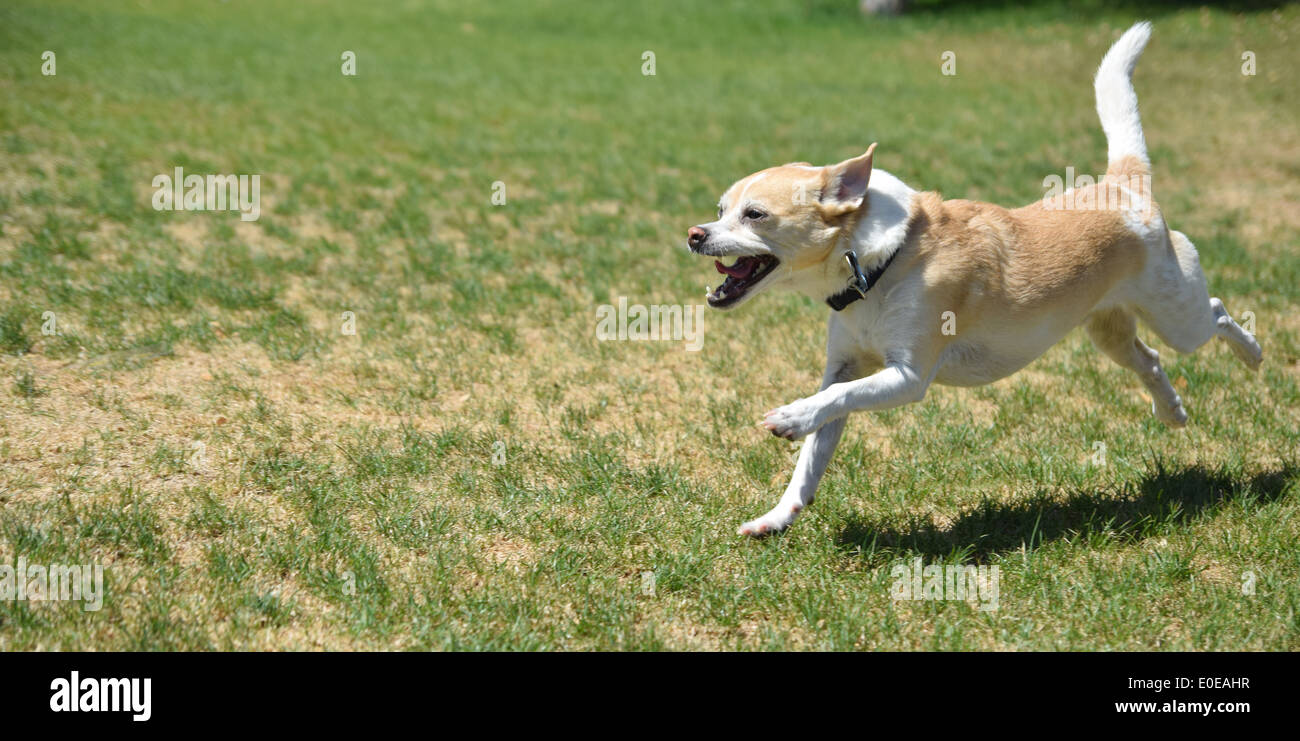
(741, 270)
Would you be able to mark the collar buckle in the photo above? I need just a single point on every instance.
(859, 281)
(859, 284)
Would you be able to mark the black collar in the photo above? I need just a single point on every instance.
(860, 283)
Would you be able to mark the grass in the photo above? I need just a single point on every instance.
(472, 469)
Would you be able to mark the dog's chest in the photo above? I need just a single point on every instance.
(858, 329)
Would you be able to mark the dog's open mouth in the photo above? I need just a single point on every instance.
(742, 275)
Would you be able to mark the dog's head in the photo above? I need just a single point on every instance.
(778, 223)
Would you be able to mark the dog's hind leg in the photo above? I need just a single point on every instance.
(1114, 332)
(1177, 306)
(1243, 343)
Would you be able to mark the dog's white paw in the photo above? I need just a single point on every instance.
(773, 522)
(793, 421)
(1175, 416)
(1247, 349)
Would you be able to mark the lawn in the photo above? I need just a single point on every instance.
(379, 416)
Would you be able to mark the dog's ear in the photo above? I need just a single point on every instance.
(844, 186)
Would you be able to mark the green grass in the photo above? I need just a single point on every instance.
(472, 469)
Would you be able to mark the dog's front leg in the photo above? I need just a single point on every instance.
(813, 459)
(814, 456)
(896, 385)
(826, 414)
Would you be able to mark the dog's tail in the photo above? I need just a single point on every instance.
(1117, 104)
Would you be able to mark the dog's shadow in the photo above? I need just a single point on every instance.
(1159, 501)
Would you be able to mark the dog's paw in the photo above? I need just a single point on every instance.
(1248, 351)
(1174, 416)
(770, 523)
(793, 421)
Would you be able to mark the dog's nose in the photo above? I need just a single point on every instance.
(696, 235)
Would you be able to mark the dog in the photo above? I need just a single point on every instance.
(924, 290)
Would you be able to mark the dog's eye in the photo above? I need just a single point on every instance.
(754, 214)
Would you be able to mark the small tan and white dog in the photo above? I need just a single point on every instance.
(959, 292)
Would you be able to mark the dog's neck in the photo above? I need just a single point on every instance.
(884, 228)
(876, 236)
